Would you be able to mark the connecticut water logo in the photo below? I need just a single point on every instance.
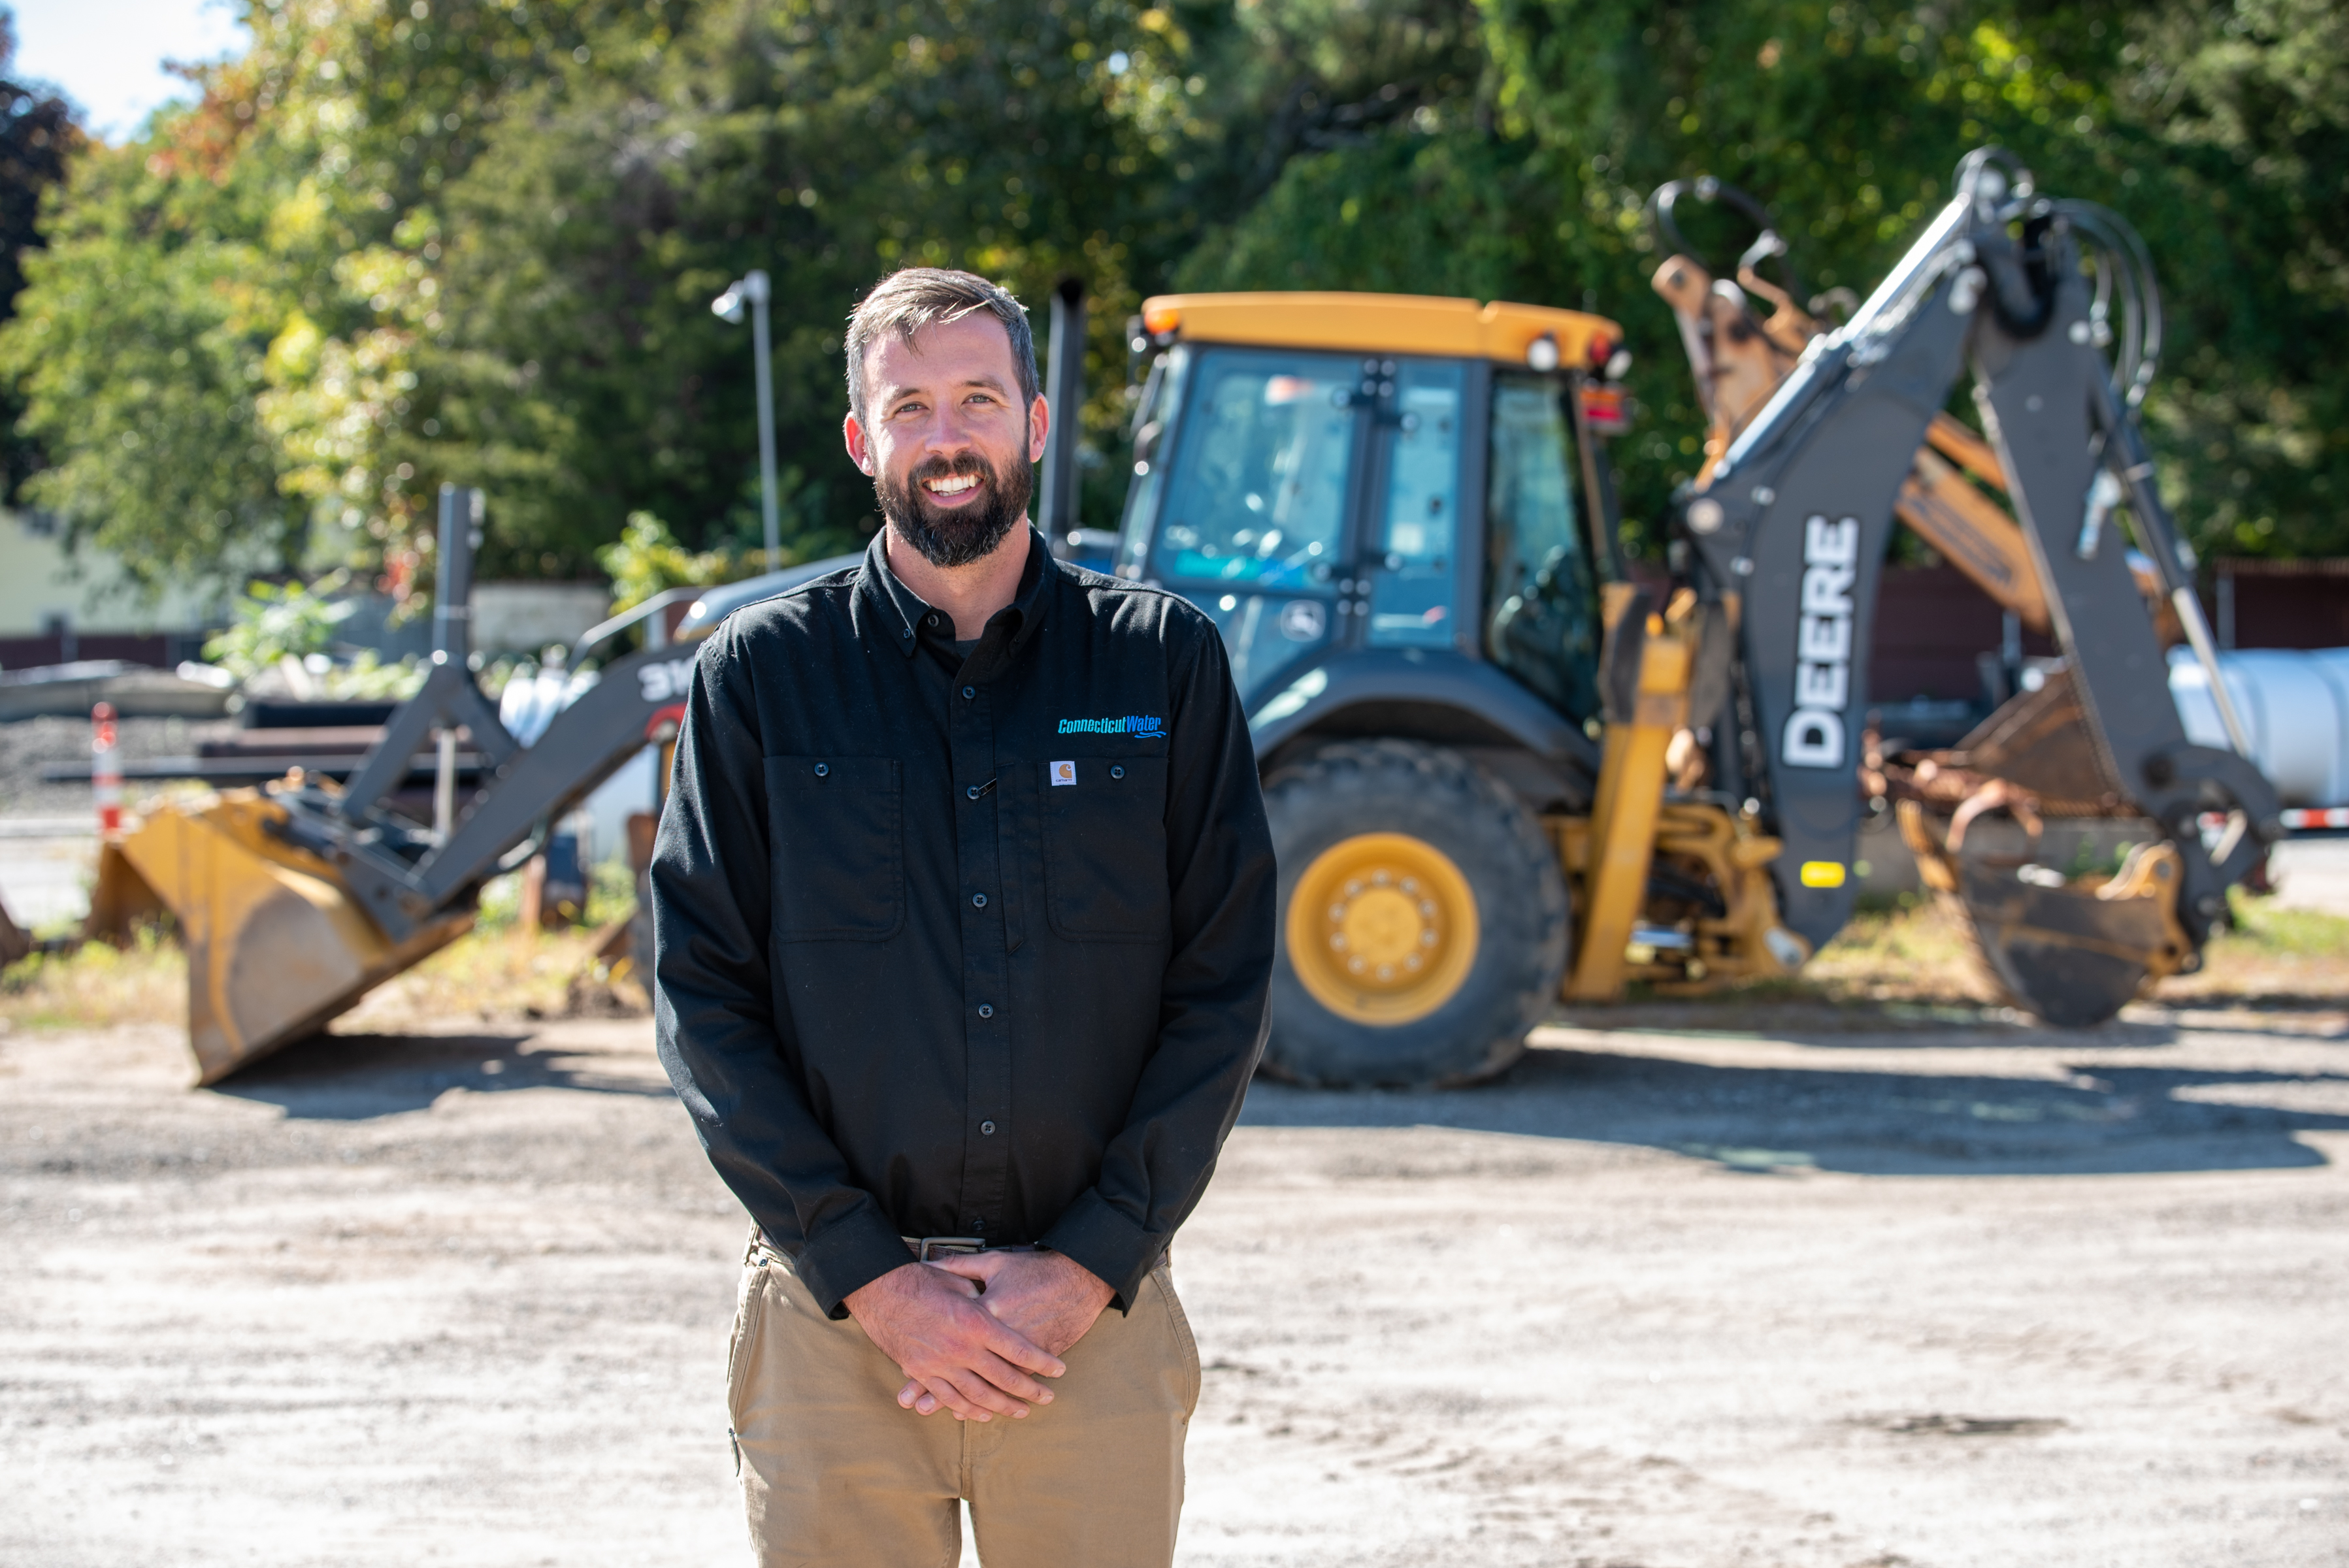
(1134, 724)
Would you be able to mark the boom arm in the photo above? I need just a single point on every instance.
(1796, 516)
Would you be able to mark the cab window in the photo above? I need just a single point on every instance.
(1257, 491)
(1410, 583)
(1542, 621)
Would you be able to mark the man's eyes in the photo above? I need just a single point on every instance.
(987, 398)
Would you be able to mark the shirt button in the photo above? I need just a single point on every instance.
(972, 791)
(968, 693)
(986, 1130)
(985, 1011)
(978, 901)
(821, 768)
(1117, 772)
(934, 620)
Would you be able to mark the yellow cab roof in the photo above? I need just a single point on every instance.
(1380, 323)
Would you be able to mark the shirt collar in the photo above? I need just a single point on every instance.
(907, 617)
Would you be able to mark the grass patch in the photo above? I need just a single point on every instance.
(499, 970)
(1913, 949)
(2270, 954)
(1910, 949)
(97, 986)
(507, 972)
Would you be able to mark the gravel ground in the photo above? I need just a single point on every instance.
(29, 744)
(1664, 1297)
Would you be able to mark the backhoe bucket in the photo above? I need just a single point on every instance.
(2074, 950)
(276, 947)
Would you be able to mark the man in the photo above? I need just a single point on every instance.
(964, 908)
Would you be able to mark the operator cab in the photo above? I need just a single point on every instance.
(1326, 474)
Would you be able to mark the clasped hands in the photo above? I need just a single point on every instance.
(974, 1332)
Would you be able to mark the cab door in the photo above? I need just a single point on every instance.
(1416, 580)
(1252, 516)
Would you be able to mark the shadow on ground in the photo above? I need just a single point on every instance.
(2100, 1120)
(1957, 1024)
(351, 1078)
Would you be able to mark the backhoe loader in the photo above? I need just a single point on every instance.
(1470, 723)
(1501, 776)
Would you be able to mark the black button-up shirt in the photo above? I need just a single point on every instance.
(972, 945)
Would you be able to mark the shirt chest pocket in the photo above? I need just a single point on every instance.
(837, 825)
(1105, 849)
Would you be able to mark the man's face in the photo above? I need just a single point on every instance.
(946, 439)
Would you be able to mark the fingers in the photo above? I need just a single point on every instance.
(980, 1267)
(976, 1397)
(1021, 1351)
(1013, 1381)
(927, 1396)
(962, 1281)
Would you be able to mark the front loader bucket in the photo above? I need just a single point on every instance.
(276, 947)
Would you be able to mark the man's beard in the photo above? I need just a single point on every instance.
(960, 535)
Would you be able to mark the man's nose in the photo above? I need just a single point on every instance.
(950, 431)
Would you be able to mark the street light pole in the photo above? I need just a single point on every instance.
(753, 286)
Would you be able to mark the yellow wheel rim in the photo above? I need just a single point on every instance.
(1381, 928)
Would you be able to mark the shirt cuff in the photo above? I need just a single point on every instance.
(850, 1253)
(1119, 1251)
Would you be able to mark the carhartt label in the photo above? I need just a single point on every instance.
(1065, 772)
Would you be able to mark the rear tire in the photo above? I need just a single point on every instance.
(1433, 933)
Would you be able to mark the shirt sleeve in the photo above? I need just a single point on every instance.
(713, 1002)
(1212, 1004)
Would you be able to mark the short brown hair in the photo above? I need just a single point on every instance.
(912, 298)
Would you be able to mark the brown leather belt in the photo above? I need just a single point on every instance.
(925, 1247)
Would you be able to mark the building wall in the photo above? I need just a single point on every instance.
(1932, 626)
(54, 607)
(1932, 623)
(2279, 604)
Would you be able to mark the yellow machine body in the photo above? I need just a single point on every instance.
(276, 947)
(1637, 818)
(1380, 324)
(1608, 856)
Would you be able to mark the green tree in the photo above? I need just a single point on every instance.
(220, 349)
(404, 242)
(825, 142)
(2217, 128)
(36, 134)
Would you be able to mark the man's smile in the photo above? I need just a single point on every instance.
(951, 484)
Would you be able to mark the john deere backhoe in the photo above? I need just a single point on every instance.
(1472, 724)
(1501, 776)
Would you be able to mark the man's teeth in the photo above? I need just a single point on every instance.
(953, 484)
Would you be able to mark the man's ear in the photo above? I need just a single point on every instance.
(852, 435)
(1039, 426)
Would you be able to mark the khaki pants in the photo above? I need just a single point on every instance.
(834, 1473)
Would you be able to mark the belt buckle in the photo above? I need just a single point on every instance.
(954, 1246)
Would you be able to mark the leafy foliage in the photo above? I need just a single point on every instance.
(475, 239)
(278, 622)
(649, 559)
(2217, 130)
(36, 134)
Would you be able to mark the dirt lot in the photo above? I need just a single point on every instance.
(1666, 1296)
